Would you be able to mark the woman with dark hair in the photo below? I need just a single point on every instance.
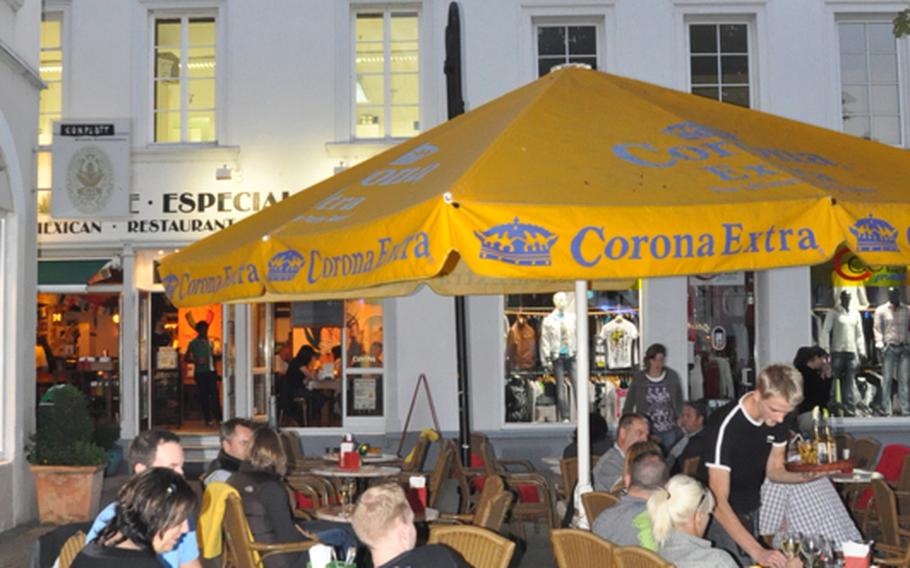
(265, 502)
(656, 392)
(302, 370)
(811, 362)
(153, 509)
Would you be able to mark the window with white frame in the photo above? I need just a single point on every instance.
(870, 83)
(559, 43)
(50, 67)
(386, 88)
(719, 62)
(183, 107)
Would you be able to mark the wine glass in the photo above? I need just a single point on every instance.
(826, 551)
(810, 549)
(789, 545)
(344, 495)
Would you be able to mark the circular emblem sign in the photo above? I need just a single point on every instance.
(90, 179)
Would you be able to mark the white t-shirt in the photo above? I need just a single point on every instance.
(619, 336)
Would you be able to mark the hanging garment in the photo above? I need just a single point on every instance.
(620, 336)
(696, 381)
(521, 345)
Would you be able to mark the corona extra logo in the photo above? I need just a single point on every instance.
(285, 265)
(874, 235)
(517, 243)
(415, 155)
(170, 284)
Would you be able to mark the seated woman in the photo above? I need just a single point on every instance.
(268, 510)
(153, 509)
(303, 370)
(679, 517)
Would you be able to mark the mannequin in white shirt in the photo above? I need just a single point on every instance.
(842, 335)
(557, 350)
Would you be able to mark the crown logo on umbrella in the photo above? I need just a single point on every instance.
(285, 265)
(874, 235)
(518, 243)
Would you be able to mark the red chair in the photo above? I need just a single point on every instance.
(889, 465)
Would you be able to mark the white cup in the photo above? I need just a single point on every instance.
(321, 555)
(846, 453)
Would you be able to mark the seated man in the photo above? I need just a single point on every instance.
(692, 422)
(609, 468)
(627, 522)
(156, 448)
(236, 435)
(384, 521)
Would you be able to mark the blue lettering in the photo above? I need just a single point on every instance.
(637, 241)
(660, 242)
(623, 151)
(806, 239)
(683, 153)
(705, 245)
(682, 241)
(732, 232)
(623, 248)
(314, 256)
(784, 233)
(579, 240)
(726, 173)
(716, 146)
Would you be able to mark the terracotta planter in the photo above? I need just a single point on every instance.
(68, 494)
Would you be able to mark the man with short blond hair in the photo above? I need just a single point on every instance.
(746, 442)
(384, 521)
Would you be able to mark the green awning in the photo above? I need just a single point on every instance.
(63, 272)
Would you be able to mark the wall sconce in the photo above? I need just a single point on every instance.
(224, 173)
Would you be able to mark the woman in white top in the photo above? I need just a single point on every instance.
(679, 517)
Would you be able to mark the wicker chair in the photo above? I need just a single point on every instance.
(535, 497)
(893, 537)
(491, 510)
(242, 550)
(418, 457)
(595, 502)
(573, 547)
(864, 452)
(902, 488)
(481, 548)
(568, 467)
(297, 461)
(71, 549)
(636, 557)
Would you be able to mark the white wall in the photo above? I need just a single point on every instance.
(18, 135)
(782, 309)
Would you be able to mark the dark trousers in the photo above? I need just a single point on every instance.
(843, 367)
(207, 383)
(721, 539)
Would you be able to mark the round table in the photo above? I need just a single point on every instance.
(364, 472)
(342, 514)
(369, 458)
(858, 476)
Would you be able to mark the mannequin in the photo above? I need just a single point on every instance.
(843, 332)
(619, 335)
(891, 338)
(557, 350)
(521, 344)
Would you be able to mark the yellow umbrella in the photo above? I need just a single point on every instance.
(579, 175)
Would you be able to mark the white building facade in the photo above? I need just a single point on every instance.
(233, 105)
(19, 88)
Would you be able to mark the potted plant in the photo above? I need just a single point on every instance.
(107, 433)
(66, 462)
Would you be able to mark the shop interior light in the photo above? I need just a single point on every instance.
(116, 318)
(57, 316)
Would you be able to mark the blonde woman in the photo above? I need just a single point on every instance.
(679, 517)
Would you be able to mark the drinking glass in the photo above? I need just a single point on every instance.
(789, 545)
(810, 549)
(826, 551)
(344, 495)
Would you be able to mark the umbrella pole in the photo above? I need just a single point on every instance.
(581, 386)
(464, 418)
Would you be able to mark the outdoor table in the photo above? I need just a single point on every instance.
(553, 464)
(858, 476)
(813, 507)
(368, 459)
(362, 475)
(342, 514)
